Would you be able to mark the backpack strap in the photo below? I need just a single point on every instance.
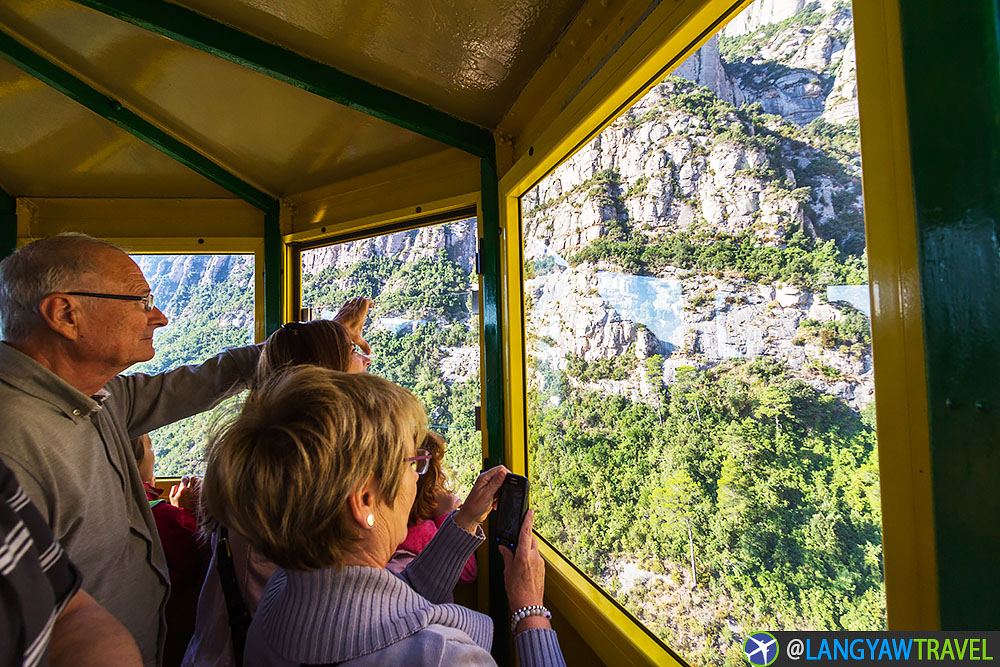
(154, 503)
(239, 617)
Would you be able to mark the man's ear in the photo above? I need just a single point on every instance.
(60, 315)
(362, 504)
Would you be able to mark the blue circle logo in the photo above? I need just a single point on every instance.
(761, 649)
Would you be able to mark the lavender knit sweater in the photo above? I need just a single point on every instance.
(366, 616)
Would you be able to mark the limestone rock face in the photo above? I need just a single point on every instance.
(569, 311)
(460, 364)
(458, 239)
(738, 319)
(766, 12)
(804, 71)
(705, 68)
(670, 165)
(842, 102)
(193, 272)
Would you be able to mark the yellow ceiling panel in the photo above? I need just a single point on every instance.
(52, 146)
(268, 133)
(468, 58)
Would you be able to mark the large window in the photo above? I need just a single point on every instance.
(424, 328)
(209, 300)
(701, 437)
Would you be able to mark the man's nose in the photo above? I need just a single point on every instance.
(157, 318)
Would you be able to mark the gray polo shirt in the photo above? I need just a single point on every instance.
(72, 455)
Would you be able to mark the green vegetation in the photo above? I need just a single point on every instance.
(616, 368)
(801, 261)
(193, 335)
(772, 485)
(853, 331)
(844, 137)
(603, 183)
(435, 287)
(413, 360)
(746, 126)
(539, 267)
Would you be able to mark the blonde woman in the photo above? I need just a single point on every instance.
(319, 472)
(227, 601)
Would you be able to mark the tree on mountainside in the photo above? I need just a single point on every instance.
(674, 501)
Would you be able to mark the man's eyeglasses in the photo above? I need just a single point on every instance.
(147, 301)
(421, 462)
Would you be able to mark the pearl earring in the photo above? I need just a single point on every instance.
(371, 520)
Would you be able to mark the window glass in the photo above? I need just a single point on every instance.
(209, 300)
(424, 328)
(699, 363)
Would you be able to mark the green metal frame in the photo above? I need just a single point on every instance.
(493, 374)
(8, 224)
(113, 111)
(273, 253)
(951, 59)
(198, 31)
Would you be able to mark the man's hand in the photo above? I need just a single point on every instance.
(352, 317)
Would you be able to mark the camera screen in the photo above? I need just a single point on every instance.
(509, 512)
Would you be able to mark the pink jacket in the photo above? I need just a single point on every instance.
(417, 537)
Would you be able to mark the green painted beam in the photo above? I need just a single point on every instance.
(113, 111)
(272, 273)
(951, 59)
(8, 224)
(493, 372)
(7, 203)
(193, 29)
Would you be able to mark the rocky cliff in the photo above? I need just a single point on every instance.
(795, 59)
(727, 158)
(458, 239)
(177, 279)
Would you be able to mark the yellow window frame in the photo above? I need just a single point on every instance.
(667, 36)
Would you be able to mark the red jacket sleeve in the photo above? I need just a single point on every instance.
(178, 529)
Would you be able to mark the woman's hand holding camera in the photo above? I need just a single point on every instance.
(481, 500)
(524, 575)
(524, 569)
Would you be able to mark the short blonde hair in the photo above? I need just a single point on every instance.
(282, 472)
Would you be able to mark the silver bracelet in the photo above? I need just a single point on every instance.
(525, 612)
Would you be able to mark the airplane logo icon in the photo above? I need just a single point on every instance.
(761, 649)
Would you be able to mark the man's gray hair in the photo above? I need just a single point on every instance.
(39, 269)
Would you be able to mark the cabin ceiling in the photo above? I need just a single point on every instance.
(467, 58)
(50, 145)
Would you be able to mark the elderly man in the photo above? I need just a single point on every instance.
(76, 312)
